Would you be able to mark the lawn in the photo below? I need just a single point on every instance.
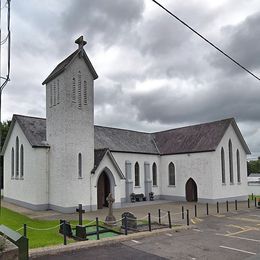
(37, 238)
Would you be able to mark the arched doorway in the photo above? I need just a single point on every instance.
(191, 190)
(103, 189)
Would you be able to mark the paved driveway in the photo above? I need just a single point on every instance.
(232, 235)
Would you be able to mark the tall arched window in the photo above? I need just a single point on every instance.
(54, 94)
(137, 174)
(230, 152)
(154, 174)
(21, 162)
(73, 90)
(51, 95)
(79, 165)
(223, 165)
(17, 157)
(12, 163)
(238, 167)
(58, 91)
(171, 174)
(85, 95)
(79, 90)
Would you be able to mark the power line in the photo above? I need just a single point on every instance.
(206, 40)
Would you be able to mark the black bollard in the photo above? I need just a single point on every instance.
(24, 230)
(207, 206)
(217, 207)
(64, 234)
(248, 203)
(126, 225)
(182, 212)
(227, 205)
(97, 228)
(235, 204)
(159, 214)
(255, 201)
(188, 218)
(169, 218)
(149, 222)
(195, 210)
(252, 196)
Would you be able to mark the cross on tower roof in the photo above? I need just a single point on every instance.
(80, 41)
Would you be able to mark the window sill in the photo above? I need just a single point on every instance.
(80, 178)
(155, 186)
(231, 183)
(137, 186)
(224, 184)
(172, 186)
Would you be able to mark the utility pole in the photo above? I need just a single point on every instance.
(2, 85)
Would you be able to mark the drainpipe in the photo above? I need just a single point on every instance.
(48, 175)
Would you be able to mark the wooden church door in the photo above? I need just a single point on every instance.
(191, 190)
(103, 189)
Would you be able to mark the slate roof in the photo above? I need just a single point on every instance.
(121, 140)
(34, 129)
(98, 156)
(196, 138)
(65, 63)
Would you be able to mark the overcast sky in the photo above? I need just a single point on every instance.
(154, 73)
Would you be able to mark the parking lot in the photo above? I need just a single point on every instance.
(227, 235)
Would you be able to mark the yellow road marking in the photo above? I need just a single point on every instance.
(219, 216)
(193, 222)
(245, 219)
(236, 226)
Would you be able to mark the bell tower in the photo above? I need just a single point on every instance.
(70, 130)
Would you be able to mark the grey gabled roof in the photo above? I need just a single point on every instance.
(121, 140)
(66, 62)
(196, 138)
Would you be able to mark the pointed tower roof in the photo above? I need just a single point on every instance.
(66, 62)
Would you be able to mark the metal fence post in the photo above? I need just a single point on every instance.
(182, 212)
(217, 207)
(195, 210)
(248, 203)
(149, 221)
(207, 206)
(188, 218)
(255, 201)
(169, 218)
(235, 204)
(24, 230)
(64, 234)
(159, 213)
(227, 205)
(97, 228)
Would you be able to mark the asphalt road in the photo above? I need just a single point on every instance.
(224, 236)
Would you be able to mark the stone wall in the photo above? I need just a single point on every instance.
(10, 252)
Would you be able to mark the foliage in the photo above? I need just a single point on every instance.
(37, 238)
(253, 166)
(5, 127)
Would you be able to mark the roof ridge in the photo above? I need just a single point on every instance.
(18, 115)
(123, 129)
(206, 123)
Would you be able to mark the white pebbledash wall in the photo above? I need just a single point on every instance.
(31, 190)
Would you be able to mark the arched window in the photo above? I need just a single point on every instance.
(12, 163)
(85, 95)
(58, 91)
(154, 174)
(73, 90)
(171, 174)
(79, 90)
(21, 162)
(230, 152)
(137, 174)
(223, 165)
(238, 167)
(54, 93)
(51, 95)
(17, 157)
(80, 165)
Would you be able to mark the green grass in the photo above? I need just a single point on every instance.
(15, 221)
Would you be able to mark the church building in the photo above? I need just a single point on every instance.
(63, 160)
